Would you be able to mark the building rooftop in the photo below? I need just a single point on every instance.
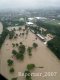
(40, 36)
(29, 23)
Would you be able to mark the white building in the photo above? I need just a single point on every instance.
(30, 19)
(29, 23)
(41, 18)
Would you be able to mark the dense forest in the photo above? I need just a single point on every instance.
(53, 29)
(54, 45)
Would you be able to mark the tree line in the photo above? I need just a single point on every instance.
(3, 36)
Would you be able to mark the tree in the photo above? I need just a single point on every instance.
(35, 45)
(27, 75)
(14, 29)
(15, 37)
(13, 44)
(10, 62)
(27, 32)
(21, 43)
(29, 49)
(20, 56)
(16, 44)
(11, 70)
(22, 49)
(14, 52)
(16, 34)
(23, 34)
(30, 66)
(11, 34)
(19, 28)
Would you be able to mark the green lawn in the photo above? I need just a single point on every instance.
(53, 22)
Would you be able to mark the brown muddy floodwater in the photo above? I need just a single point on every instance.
(41, 56)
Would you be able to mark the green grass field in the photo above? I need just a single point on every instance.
(53, 22)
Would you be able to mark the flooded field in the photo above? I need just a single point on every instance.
(41, 56)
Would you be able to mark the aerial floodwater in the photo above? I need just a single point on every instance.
(41, 57)
(30, 39)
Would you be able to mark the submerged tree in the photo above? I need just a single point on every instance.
(21, 43)
(19, 28)
(12, 70)
(10, 62)
(13, 44)
(30, 66)
(17, 44)
(27, 75)
(35, 45)
(20, 56)
(11, 34)
(29, 49)
(22, 49)
(14, 52)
